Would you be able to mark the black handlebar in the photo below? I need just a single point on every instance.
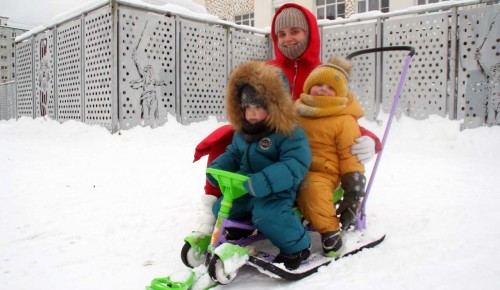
(378, 49)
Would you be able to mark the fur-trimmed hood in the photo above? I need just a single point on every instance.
(268, 81)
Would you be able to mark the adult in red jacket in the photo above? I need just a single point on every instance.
(297, 44)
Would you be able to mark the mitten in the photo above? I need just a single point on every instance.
(364, 149)
(353, 184)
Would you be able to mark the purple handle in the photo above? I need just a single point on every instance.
(361, 217)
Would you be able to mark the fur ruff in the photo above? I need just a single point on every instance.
(267, 81)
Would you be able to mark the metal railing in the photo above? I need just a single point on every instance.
(120, 65)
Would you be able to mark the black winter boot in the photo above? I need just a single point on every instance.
(234, 234)
(292, 261)
(353, 184)
(332, 242)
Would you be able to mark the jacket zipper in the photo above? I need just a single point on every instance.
(294, 79)
(248, 158)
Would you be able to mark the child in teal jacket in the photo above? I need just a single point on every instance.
(273, 151)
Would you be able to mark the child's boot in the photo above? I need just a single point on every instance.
(332, 242)
(235, 234)
(353, 184)
(292, 261)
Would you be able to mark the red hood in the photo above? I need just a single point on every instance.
(307, 61)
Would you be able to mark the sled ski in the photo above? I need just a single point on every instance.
(263, 262)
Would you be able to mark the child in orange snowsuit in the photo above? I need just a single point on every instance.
(329, 113)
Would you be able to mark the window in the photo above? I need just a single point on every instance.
(371, 5)
(423, 2)
(245, 19)
(330, 9)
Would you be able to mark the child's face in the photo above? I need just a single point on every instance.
(255, 113)
(322, 90)
(290, 36)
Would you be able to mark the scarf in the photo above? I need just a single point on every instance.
(254, 132)
(293, 52)
(320, 106)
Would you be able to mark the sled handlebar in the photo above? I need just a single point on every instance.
(361, 216)
(411, 49)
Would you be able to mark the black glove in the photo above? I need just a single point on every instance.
(353, 184)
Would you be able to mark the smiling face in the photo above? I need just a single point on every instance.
(290, 36)
(291, 32)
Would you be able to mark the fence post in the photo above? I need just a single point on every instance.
(178, 71)
(453, 66)
(115, 110)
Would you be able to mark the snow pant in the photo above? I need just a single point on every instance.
(315, 200)
(273, 216)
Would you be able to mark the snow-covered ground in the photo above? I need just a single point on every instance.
(83, 209)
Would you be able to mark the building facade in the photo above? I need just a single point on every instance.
(7, 50)
(259, 13)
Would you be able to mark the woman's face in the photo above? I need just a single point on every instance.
(290, 36)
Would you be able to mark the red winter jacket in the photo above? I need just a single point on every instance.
(214, 145)
(295, 70)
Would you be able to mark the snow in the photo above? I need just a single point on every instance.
(81, 208)
(233, 259)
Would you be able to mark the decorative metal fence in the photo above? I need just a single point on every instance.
(121, 65)
(7, 101)
(455, 71)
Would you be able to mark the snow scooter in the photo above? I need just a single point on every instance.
(220, 259)
(200, 248)
(224, 258)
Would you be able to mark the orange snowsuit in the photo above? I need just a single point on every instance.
(331, 138)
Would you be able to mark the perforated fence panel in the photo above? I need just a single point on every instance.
(203, 71)
(147, 68)
(24, 78)
(69, 71)
(346, 39)
(11, 100)
(425, 89)
(246, 45)
(479, 66)
(98, 51)
(43, 51)
(3, 102)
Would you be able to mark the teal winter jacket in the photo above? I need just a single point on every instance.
(276, 163)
